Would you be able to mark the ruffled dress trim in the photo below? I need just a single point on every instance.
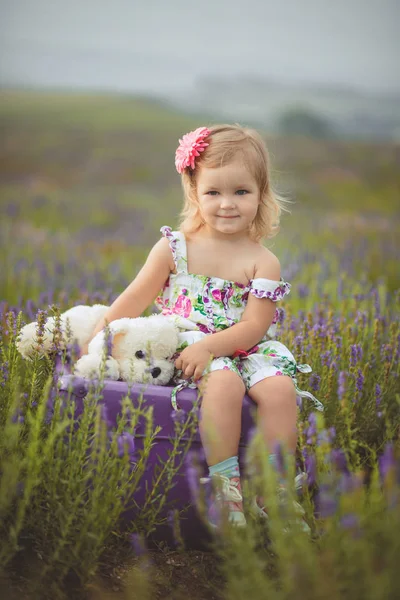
(267, 288)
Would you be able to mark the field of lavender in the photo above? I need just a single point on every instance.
(86, 183)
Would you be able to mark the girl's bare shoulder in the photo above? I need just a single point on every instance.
(267, 265)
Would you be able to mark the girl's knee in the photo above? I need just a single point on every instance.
(229, 381)
(276, 387)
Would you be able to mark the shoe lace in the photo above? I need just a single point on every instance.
(228, 489)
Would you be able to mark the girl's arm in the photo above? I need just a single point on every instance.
(255, 322)
(143, 290)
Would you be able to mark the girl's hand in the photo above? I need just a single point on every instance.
(193, 360)
(84, 350)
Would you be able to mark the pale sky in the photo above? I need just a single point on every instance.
(173, 42)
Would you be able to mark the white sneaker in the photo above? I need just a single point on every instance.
(226, 498)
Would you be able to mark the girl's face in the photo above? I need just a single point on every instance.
(228, 197)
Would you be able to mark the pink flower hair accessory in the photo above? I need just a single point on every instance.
(190, 147)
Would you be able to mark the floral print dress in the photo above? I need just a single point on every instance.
(202, 305)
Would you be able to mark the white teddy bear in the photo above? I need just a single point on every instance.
(142, 351)
(141, 348)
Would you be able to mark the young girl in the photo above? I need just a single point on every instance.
(222, 285)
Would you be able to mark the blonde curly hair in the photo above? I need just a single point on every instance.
(225, 143)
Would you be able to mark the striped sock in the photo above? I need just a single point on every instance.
(228, 467)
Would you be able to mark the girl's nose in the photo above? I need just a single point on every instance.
(226, 201)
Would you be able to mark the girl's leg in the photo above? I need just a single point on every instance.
(221, 414)
(277, 410)
(220, 426)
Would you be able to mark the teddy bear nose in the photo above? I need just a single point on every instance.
(155, 372)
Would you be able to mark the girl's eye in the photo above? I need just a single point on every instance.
(212, 193)
(139, 354)
(242, 192)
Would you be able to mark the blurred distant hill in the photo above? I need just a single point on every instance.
(319, 110)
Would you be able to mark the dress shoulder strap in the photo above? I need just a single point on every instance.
(177, 243)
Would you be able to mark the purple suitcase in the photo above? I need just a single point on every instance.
(193, 531)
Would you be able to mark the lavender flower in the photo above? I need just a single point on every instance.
(355, 354)
(106, 417)
(342, 384)
(138, 544)
(351, 521)
(326, 502)
(178, 416)
(278, 460)
(311, 469)
(126, 443)
(378, 394)
(332, 433)
(311, 430)
(360, 381)
(303, 290)
(326, 358)
(349, 483)
(314, 382)
(387, 461)
(339, 460)
(193, 474)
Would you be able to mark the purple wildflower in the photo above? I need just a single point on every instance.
(108, 341)
(342, 384)
(178, 416)
(323, 437)
(378, 394)
(298, 342)
(126, 443)
(311, 469)
(377, 304)
(326, 502)
(18, 417)
(278, 460)
(386, 352)
(387, 461)
(314, 382)
(353, 355)
(338, 342)
(326, 358)
(311, 430)
(350, 521)
(360, 381)
(138, 544)
(303, 290)
(338, 458)
(349, 483)
(105, 416)
(193, 474)
(397, 353)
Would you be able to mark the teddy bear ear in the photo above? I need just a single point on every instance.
(115, 349)
(119, 326)
(118, 329)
